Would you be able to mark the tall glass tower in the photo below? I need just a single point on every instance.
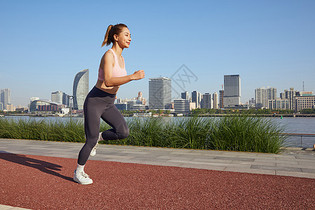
(196, 97)
(5, 97)
(160, 93)
(232, 91)
(80, 88)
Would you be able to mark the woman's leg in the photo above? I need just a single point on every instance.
(114, 118)
(93, 109)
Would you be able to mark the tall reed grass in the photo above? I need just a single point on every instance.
(70, 131)
(236, 133)
(243, 133)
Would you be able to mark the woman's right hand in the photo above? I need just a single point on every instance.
(138, 75)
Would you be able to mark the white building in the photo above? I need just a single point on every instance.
(279, 104)
(57, 97)
(80, 88)
(185, 95)
(215, 100)
(263, 95)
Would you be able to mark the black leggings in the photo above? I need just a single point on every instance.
(99, 104)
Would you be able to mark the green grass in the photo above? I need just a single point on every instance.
(237, 133)
(243, 133)
(71, 131)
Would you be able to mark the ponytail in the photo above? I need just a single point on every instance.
(111, 31)
(106, 39)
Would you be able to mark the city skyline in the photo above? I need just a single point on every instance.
(265, 98)
(179, 96)
(268, 43)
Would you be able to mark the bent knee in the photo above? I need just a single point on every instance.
(123, 134)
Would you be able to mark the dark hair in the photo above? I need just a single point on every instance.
(111, 31)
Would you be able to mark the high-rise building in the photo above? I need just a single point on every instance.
(206, 102)
(263, 95)
(60, 97)
(221, 96)
(196, 97)
(271, 93)
(182, 105)
(185, 95)
(5, 97)
(232, 91)
(260, 96)
(215, 100)
(57, 97)
(80, 88)
(304, 102)
(294, 100)
(66, 99)
(290, 95)
(160, 93)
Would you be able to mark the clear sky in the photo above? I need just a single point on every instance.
(43, 44)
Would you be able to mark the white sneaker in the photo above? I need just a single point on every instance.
(82, 178)
(93, 151)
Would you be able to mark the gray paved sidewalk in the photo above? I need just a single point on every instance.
(293, 162)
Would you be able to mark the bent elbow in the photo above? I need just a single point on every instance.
(108, 84)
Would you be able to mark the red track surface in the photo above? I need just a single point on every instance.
(39, 182)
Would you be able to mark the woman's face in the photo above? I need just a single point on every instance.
(124, 38)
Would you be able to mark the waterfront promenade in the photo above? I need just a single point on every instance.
(38, 175)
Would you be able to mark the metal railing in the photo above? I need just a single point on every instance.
(301, 135)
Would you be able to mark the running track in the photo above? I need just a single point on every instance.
(40, 182)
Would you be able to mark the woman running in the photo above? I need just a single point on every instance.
(99, 103)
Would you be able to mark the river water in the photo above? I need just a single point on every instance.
(305, 125)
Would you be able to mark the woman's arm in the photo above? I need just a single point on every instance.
(116, 81)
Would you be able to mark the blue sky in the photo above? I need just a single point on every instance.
(43, 44)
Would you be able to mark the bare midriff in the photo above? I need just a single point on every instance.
(101, 85)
